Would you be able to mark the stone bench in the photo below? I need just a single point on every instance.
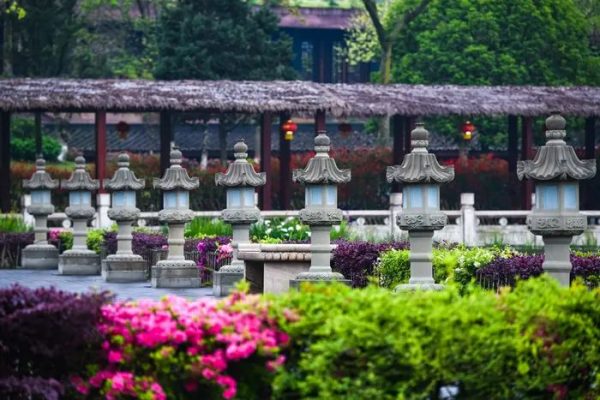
(270, 267)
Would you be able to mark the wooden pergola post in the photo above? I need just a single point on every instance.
(526, 154)
(100, 126)
(265, 160)
(320, 123)
(166, 136)
(38, 134)
(397, 127)
(4, 161)
(285, 176)
(590, 153)
(513, 157)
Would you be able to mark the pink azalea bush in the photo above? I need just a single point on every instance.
(176, 349)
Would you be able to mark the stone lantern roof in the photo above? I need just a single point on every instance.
(40, 179)
(556, 159)
(176, 177)
(321, 169)
(240, 172)
(419, 165)
(80, 179)
(124, 178)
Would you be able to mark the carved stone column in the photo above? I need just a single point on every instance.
(176, 271)
(321, 177)
(124, 266)
(421, 175)
(556, 170)
(240, 179)
(40, 254)
(79, 260)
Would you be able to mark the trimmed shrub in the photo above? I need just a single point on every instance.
(46, 336)
(356, 260)
(11, 244)
(539, 341)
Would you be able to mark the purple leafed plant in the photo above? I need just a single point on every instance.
(586, 267)
(356, 260)
(506, 271)
(207, 246)
(46, 335)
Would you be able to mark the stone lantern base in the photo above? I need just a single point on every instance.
(175, 274)
(39, 256)
(130, 268)
(225, 279)
(79, 262)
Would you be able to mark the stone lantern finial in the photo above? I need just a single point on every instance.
(80, 179)
(240, 172)
(40, 178)
(124, 178)
(321, 169)
(176, 177)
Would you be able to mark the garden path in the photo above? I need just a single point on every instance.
(123, 291)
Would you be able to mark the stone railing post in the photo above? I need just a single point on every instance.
(102, 205)
(468, 220)
(395, 211)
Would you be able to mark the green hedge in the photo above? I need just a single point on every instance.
(539, 341)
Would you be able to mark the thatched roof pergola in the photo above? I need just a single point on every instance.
(298, 97)
(267, 98)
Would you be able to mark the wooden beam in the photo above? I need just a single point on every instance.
(526, 154)
(38, 134)
(166, 136)
(285, 176)
(101, 148)
(4, 161)
(265, 160)
(320, 121)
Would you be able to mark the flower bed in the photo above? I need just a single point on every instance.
(537, 341)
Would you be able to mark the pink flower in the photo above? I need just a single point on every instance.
(115, 356)
(80, 385)
(191, 386)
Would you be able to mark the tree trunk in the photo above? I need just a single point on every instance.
(7, 44)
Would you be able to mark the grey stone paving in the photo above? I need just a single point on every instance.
(123, 291)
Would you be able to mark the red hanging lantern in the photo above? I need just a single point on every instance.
(345, 129)
(122, 130)
(288, 128)
(468, 129)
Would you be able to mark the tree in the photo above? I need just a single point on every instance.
(38, 36)
(388, 30)
(489, 42)
(225, 39)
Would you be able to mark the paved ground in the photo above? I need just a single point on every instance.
(35, 278)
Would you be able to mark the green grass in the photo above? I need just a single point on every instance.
(13, 223)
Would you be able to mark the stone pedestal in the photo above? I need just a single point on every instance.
(557, 261)
(124, 266)
(79, 260)
(40, 254)
(320, 263)
(176, 271)
(225, 279)
(421, 268)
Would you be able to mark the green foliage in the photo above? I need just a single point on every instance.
(206, 39)
(488, 42)
(279, 229)
(201, 227)
(535, 342)
(341, 231)
(95, 238)
(457, 264)
(66, 239)
(13, 223)
(23, 142)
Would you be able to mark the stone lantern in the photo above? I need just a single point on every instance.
(321, 177)
(40, 254)
(421, 175)
(240, 179)
(124, 266)
(79, 260)
(555, 216)
(176, 271)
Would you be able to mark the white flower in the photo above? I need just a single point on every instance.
(298, 227)
(268, 231)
